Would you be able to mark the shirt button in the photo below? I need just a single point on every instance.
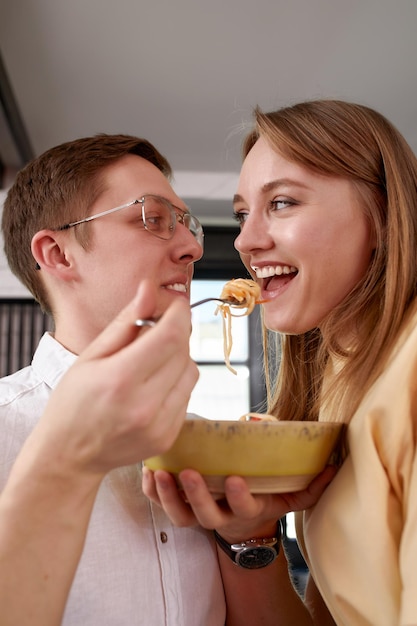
(164, 537)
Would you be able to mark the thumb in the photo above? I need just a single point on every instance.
(122, 330)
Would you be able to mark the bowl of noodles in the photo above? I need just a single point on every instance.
(273, 456)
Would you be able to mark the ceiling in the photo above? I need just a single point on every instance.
(186, 74)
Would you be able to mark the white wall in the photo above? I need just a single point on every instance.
(10, 287)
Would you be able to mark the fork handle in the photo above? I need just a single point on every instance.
(206, 300)
(150, 322)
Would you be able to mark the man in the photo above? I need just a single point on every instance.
(84, 225)
(66, 513)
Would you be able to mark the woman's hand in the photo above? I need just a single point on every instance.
(240, 514)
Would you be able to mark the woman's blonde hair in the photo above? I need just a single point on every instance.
(357, 143)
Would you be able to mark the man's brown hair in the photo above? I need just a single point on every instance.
(59, 187)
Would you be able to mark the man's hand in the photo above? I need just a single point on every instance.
(126, 396)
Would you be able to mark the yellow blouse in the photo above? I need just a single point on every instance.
(360, 539)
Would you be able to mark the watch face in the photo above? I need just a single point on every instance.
(254, 558)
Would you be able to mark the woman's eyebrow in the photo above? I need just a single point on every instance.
(283, 182)
(237, 198)
(274, 184)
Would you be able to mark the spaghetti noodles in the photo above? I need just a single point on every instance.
(240, 293)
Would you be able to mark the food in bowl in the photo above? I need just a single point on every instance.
(257, 417)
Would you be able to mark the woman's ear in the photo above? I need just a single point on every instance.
(49, 253)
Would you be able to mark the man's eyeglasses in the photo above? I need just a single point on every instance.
(159, 217)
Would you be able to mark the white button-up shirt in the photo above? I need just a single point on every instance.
(136, 568)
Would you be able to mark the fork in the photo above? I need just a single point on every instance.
(152, 322)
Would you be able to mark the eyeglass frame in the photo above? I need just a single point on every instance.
(197, 231)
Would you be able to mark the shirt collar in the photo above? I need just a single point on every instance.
(51, 360)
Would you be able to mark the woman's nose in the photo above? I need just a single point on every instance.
(254, 234)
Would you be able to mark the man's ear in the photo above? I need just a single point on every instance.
(50, 253)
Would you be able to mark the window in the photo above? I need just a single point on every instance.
(22, 324)
(220, 394)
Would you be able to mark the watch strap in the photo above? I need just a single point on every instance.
(233, 550)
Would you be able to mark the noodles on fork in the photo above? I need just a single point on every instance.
(243, 294)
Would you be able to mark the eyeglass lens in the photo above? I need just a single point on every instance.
(160, 218)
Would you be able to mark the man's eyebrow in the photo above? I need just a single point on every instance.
(185, 209)
(274, 184)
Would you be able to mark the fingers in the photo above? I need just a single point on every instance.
(208, 511)
(168, 338)
(122, 330)
(301, 500)
(240, 513)
(241, 516)
(133, 384)
(153, 379)
(149, 486)
(241, 501)
(161, 488)
(166, 383)
(150, 367)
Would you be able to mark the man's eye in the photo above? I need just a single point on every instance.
(153, 219)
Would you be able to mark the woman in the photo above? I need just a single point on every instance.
(327, 205)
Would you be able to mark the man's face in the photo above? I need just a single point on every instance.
(122, 252)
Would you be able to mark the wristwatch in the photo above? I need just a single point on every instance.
(252, 553)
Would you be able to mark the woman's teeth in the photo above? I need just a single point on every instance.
(271, 270)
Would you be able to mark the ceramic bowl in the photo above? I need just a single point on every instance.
(274, 457)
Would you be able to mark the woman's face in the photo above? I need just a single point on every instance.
(304, 236)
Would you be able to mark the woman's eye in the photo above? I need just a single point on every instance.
(281, 203)
(240, 217)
